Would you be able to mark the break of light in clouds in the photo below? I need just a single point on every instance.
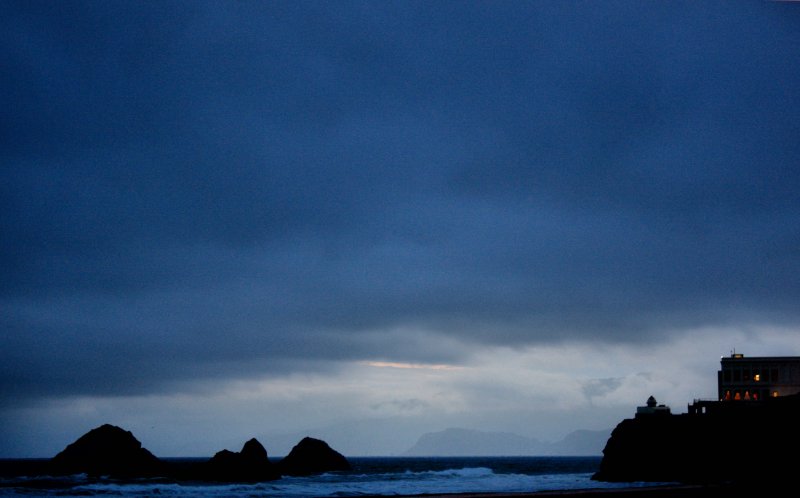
(373, 220)
(413, 366)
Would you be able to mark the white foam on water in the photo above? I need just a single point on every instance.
(334, 485)
(390, 480)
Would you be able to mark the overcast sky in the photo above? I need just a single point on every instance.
(233, 219)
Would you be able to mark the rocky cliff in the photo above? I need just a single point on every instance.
(743, 442)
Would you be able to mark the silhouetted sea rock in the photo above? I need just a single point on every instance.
(312, 456)
(111, 451)
(107, 450)
(741, 442)
(249, 465)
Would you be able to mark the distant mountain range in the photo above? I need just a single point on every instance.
(466, 442)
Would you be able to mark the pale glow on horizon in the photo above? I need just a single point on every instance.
(411, 366)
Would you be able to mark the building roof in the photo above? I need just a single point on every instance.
(760, 358)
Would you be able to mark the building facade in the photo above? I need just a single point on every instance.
(755, 378)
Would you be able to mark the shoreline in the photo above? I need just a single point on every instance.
(18, 467)
(656, 491)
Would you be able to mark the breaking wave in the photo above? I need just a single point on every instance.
(376, 476)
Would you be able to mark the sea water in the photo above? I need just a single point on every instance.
(369, 476)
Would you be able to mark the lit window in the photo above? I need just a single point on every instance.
(774, 394)
(737, 396)
(757, 377)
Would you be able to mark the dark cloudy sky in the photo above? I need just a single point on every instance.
(226, 219)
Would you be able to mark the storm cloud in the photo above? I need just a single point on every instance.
(202, 190)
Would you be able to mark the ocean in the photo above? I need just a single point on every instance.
(370, 476)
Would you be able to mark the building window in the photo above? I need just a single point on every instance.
(757, 377)
(774, 377)
(737, 375)
(737, 396)
(726, 375)
(746, 374)
(774, 394)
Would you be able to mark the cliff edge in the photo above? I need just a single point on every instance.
(739, 442)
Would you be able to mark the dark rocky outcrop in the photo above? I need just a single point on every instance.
(111, 451)
(741, 442)
(312, 456)
(107, 450)
(249, 465)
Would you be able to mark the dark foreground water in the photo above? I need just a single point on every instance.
(370, 476)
